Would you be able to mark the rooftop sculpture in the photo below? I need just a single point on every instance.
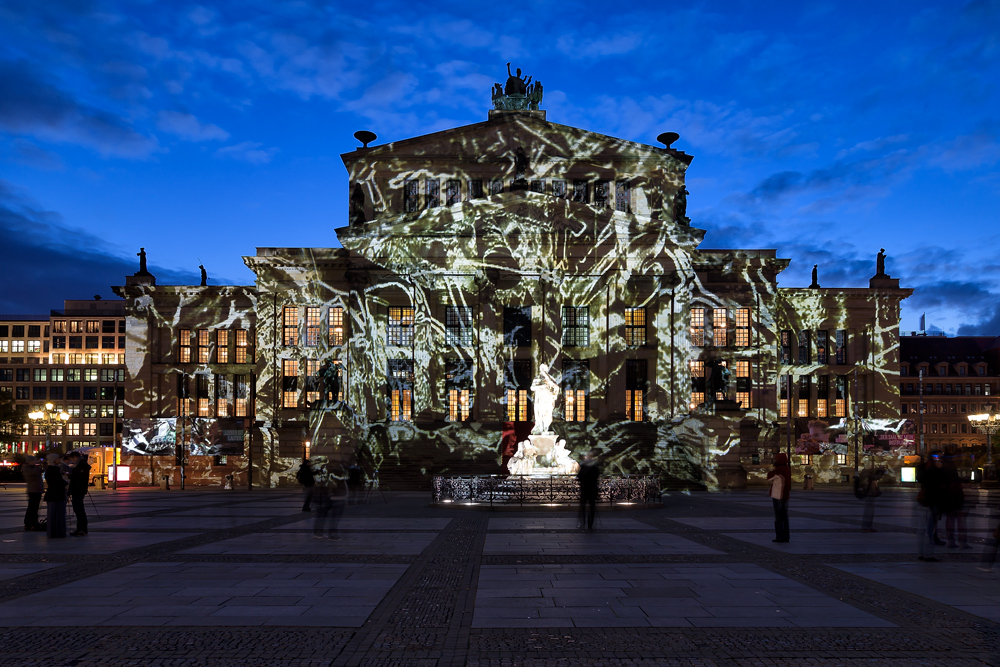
(519, 93)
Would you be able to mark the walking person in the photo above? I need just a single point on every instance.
(589, 478)
(330, 501)
(931, 477)
(871, 492)
(780, 478)
(307, 478)
(35, 486)
(953, 506)
(992, 541)
(55, 497)
(79, 483)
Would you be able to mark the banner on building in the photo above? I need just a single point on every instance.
(216, 437)
(149, 437)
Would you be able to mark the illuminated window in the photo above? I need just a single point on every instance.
(785, 347)
(458, 383)
(458, 325)
(109, 358)
(400, 331)
(783, 396)
(59, 326)
(575, 326)
(241, 395)
(242, 345)
(823, 396)
(623, 197)
(312, 326)
(453, 192)
(805, 389)
(289, 383)
(822, 346)
(559, 189)
(336, 325)
(411, 195)
(698, 383)
(222, 346)
(517, 380)
(635, 327)
(496, 186)
(517, 326)
(840, 399)
(601, 193)
(73, 429)
(803, 348)
(290, 325)
(581, 191)
(36, 345)
(744, 386)
(93, 326)
(313, 381)
(576, 389)
(720, 327)
(184, 341)
(90, 429)
(75, 326)
(476, 188)
(635, 389)
(223, 392)
(203, 338)
(841, 459)
(4, 346)
(183, 397)
(698, 327)
(841, 347)
(432, 189)
(400, 390)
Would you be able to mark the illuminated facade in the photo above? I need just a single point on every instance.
(474, 255)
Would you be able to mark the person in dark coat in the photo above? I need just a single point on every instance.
(933, 480)
(55, 498)
(307, 478)
(870, 482)
(79, 483)
(953, 506)
(589, 478)
(32, 472)
(780, 478)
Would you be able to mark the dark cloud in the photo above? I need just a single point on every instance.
(988, 326)
(951, 294)
(46, 262)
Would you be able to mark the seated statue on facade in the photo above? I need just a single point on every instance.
(564, 460)
(523, 461)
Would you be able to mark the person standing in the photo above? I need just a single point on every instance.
(32, 472)
(55, 497)
(79, 483)
(953, 506)
(871, 493)
(589, 478)
(780, 478)
(931, 477)
(307, 478)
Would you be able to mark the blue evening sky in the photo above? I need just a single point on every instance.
(825, 130)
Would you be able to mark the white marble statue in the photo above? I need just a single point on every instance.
(563, 460)
(545, 393)
(523, 461)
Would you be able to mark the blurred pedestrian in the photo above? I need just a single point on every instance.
(329, 500)
(780, 479)
(992, 540)
(871, 492)
(355, 482)
(35, 486)
(307, 478)
(931, 477)
(55, 497)
(953, 506)
(79, 483)
(589, 477)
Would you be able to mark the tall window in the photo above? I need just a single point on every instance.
(290, 326)
(313, 381)
(312, 326)
(822, 347)
(823, 396)
(453, 192)
(183, 397)
(336, 325)
(576, 389)
(204, 339)
(223, 392)
(289, 383)
(635, 327)
(575, 326)
(242, 345)
(222, 346)
(697, 367)
(204, 398)
(804, 348)
(400, 373)
(432, 187)
(841, 347)
(241, 395)
(720, 327)
(581, 191)
(601, 193)
(623, 199)
(517, 326)
(458, 382)
(840, 401)
(783, 396)
(476, 188)
(184, 342)
(458, 325)
(59, 326)
(400, 332)
(559, 189)
(698, 327)
(635, 389)
(411, 195)
(496, 186)
(517, 381)
(805, 387)
(785, 347)
(537, 186)
(744, 386)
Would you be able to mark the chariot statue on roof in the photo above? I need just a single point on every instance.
(518, 94)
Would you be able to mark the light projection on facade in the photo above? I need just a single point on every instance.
(473, 257)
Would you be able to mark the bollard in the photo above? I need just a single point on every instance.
(164, 482)
(808, 486)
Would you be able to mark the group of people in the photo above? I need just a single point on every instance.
(329, 493)
(65, 477)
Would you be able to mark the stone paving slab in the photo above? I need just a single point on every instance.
(564, 523)
(205, 523)
(381, 544)
(375, 523)
(94, 543)
(596, 543)
(835, 543)
(760, 523)
(14, 570)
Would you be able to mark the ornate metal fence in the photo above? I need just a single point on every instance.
(523, 490)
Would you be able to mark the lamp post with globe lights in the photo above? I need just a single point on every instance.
(988, 423)
(48, 420)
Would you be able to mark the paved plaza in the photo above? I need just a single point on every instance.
(236, 578)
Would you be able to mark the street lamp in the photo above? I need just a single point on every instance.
(47, 421)
(988, 423)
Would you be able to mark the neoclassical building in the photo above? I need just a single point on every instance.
(471, 258)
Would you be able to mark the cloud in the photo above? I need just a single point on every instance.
(28, 154)
(601, 47)
(988, 326)
(247, 151)
(46, 261)
(29, 105)
(186, 126)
